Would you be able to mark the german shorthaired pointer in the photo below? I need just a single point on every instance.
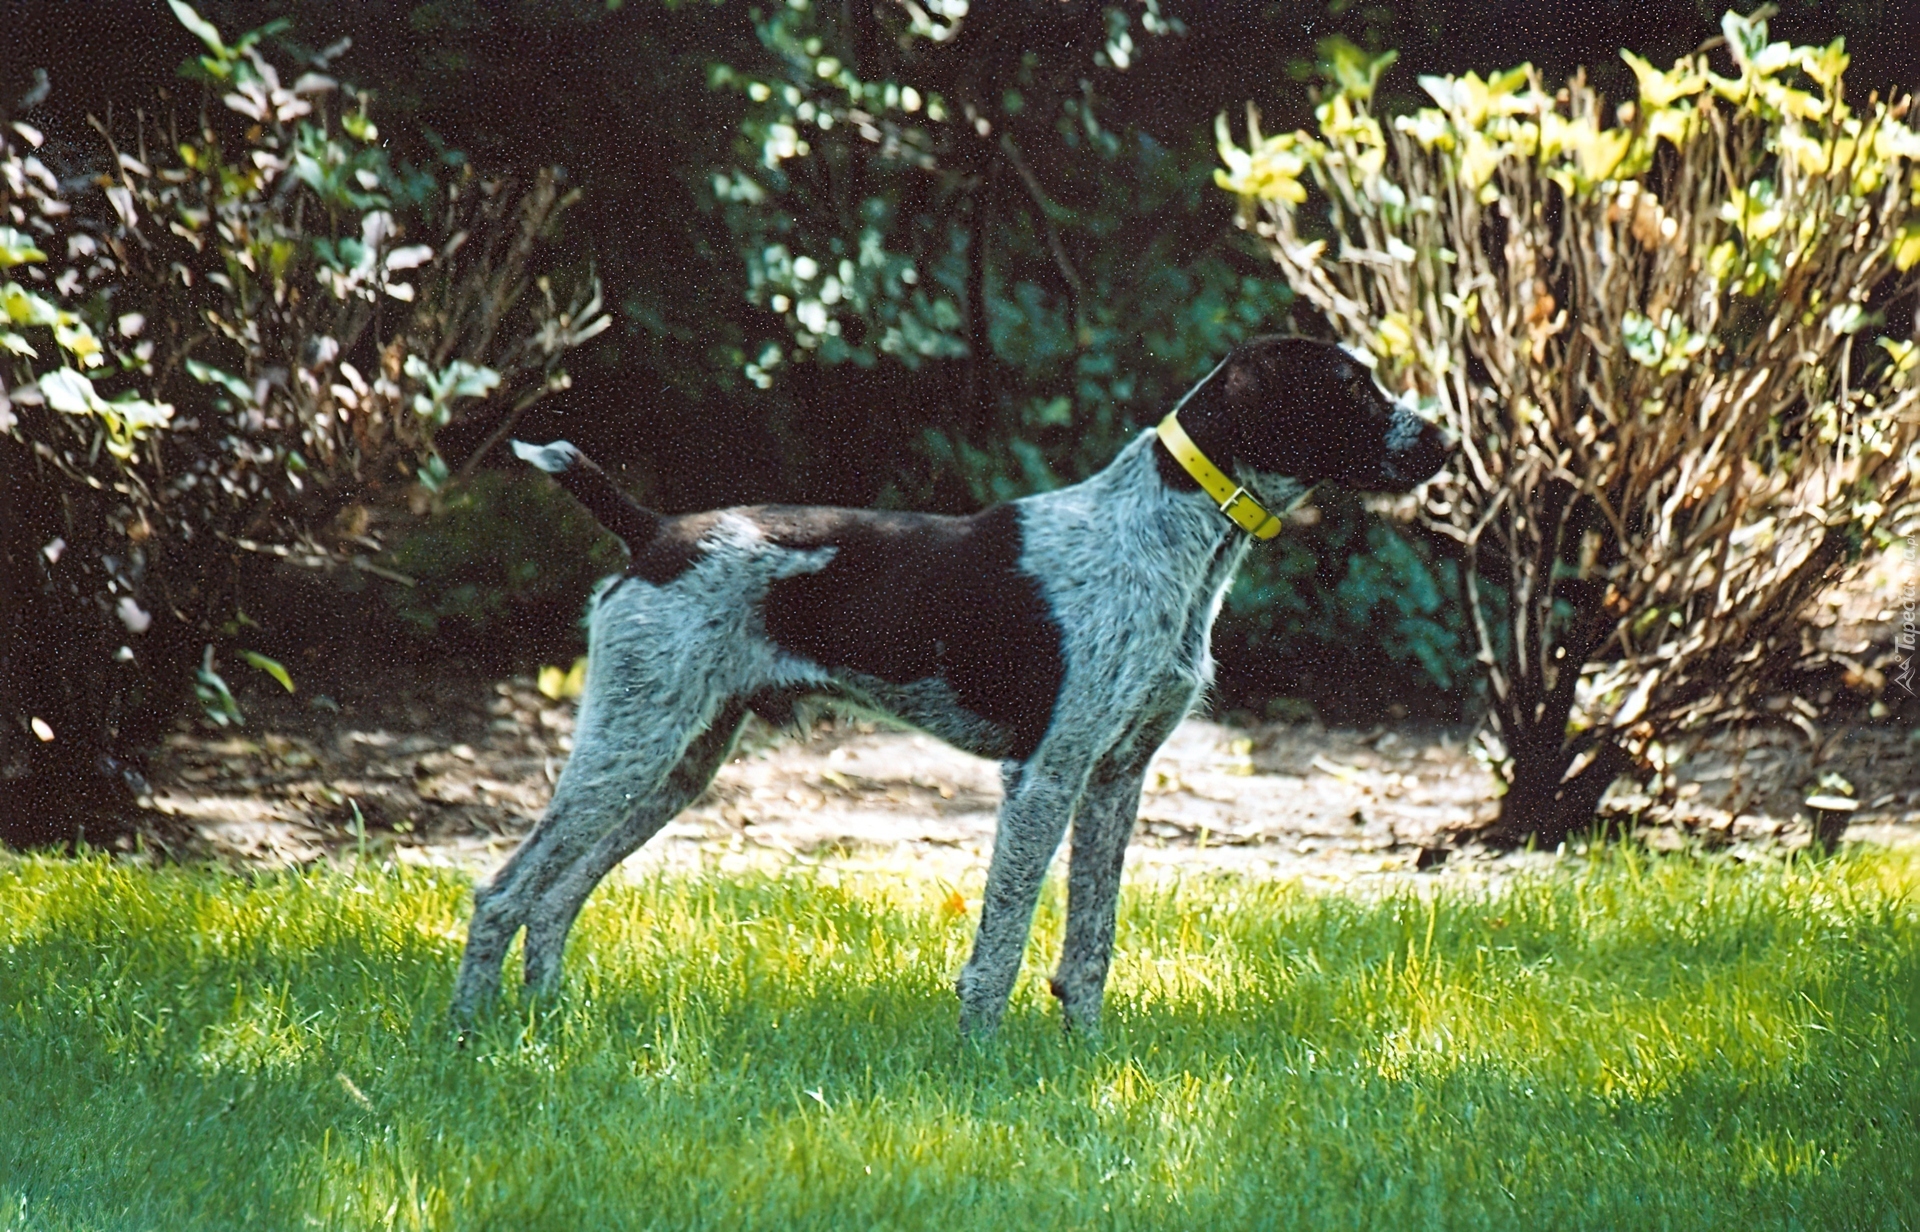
(1064, 634)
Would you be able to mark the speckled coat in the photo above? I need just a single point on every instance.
(1065, 633)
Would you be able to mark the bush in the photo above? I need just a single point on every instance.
(506, 561)
(1348, 612)
(232, 336)
(1676, 349)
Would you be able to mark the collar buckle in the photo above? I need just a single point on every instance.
(1244, 510)
(1238, 505)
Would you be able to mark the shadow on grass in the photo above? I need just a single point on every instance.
(192, 1051)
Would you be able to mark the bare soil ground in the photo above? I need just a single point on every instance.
(453, 769)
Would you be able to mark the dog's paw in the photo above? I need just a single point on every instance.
(554, 459)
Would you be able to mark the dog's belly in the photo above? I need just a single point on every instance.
(932, 705)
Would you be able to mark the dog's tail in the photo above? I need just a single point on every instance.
(577, 473)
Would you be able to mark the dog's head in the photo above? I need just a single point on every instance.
(1285, 414)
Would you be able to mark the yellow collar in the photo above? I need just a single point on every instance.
(1234, 501)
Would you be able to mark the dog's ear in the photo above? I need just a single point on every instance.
(1262, 370)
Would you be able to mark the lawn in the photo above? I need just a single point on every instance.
(1625, 1042)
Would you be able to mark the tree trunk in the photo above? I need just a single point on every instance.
(979, 372)
(1543, 806)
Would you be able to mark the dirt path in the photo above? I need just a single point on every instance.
(452, 770)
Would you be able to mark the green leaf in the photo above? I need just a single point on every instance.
(216, 700)
(198, 25)
(359, 126)
(433, 475)
(278, 25)
(470, 381)
(458, 379)
(1746, 39)
(270, 667)
(1906, 247)
(17, 248)
(207, 374)
(1351, 68)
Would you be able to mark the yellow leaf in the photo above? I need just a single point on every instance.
(1799, 103)
(1895, 140)
(1396, 334)
(1772, 58)
(1427, 126)
(271, 667)
(1602, 152)
(1673, 123)
(17, 248)
(1825, 64)
(1478, 160)
(1269, 171)
(23, 307)
(1658, 89)
(1810, 155)
(78, 341)
(1906, 247)
(1554, 132)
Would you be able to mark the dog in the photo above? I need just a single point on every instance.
(1064, 634)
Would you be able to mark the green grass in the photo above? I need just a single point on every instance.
(1629, 1043)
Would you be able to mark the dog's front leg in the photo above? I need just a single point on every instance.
(1041, 794)
(1102, 827)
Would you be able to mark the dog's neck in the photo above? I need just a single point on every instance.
(1178, 527)
(1210, 427)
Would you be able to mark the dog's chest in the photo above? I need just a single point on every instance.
(1135, 611)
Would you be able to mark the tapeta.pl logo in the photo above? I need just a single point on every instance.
(1909, 633)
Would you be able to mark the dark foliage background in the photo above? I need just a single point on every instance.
(1073, 267)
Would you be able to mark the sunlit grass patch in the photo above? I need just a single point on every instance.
(1617, 1044)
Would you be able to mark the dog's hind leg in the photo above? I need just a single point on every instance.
(1040, 799)
(1102, 827)
(601, 787)
(552, 917)
(635, 726)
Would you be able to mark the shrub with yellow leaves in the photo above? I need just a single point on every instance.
(1676, 342)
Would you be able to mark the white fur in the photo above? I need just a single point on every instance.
(553, 459)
